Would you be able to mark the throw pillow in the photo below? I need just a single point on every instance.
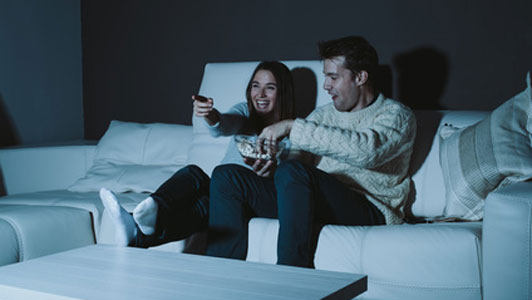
(487, 155)
(136, 157)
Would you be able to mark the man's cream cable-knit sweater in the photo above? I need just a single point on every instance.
(369, 150)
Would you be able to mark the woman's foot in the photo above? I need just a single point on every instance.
(145, 215)
(125, 228)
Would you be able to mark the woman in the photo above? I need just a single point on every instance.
(180, 206)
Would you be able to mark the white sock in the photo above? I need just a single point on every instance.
(145, 215)
(126, 230)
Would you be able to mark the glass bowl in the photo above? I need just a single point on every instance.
(247, 146)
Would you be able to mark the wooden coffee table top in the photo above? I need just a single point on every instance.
(109, 272)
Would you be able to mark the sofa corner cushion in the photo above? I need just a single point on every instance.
(136, 157)
(478, 159)
(43, 230)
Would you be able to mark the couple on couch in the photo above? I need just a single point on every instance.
(347, 164)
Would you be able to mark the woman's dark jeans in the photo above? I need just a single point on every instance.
(183, 208)
(302, 197)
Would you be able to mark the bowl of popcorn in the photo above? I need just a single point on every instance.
(247, 146)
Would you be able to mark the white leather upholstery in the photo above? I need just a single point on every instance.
(262, 240)
(43, 230)
(136, 157)
(507, 243)
(8, 240)
(88, 201)
(26, 170)
(425, 259)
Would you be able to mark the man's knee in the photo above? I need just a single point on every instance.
(291, 170)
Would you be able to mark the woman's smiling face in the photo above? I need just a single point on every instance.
(263, 92)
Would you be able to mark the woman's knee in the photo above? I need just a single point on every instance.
(193, 175)
(194, 170)
(223, 176)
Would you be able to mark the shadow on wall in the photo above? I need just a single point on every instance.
(8, 136)
(383, 81)
(422, 77)
(421, 80)
(305, 91)
(427, 127)
(3, 191)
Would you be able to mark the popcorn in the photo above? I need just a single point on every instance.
(246, 147)
(247, 144)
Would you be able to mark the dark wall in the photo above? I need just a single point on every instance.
(40, 72)
(143, 59)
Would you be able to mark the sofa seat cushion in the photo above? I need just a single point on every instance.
(88, 201)
(8, 245)
(443, 257)
(437, 258)
(43, 230)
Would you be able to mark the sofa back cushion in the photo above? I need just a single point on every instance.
(226, 84)
(143, 144)
(136, 157)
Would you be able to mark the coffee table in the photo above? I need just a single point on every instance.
(110, 272)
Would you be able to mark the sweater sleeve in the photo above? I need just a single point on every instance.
(231, 122)
(388, 135)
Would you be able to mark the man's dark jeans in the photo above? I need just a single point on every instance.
(300, 196)
(183, 207)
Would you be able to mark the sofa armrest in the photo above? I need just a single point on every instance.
(507, 243)
(31, 169)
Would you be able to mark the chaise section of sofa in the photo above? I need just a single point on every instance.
(39, 180)
(34, 223)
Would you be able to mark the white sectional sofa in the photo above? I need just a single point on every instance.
(488, 259)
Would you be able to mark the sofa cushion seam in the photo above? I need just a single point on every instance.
(18, 235)
(145, 145)
(422, 286)
(362, 249)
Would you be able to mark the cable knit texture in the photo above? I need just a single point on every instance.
(369, 150)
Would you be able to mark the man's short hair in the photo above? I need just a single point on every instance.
(358, 52)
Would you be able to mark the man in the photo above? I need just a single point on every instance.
(361, 146)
